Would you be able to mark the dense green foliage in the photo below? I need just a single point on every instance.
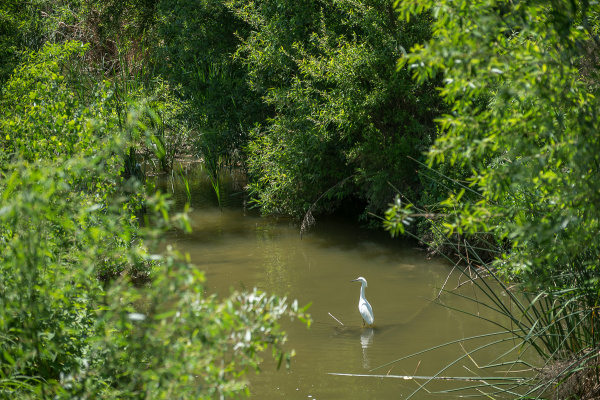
(305, 95)
(20, 29)
(72, 245)
(533, 147)
(522, 81)
(198, 39)
(344, 120)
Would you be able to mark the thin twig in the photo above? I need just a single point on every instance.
(446, 281)
(336, 319)
(442, 378)
(469, 355)
(414, 373)
(308, 219)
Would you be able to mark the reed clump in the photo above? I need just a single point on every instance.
(582, 382)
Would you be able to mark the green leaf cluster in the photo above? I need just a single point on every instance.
(523, 122)
(26, 26)
(522, 82)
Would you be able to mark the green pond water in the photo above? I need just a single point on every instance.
(237, 249)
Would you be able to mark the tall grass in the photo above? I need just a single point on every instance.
(158, 110)
(186, 185)
(213, 175)
(211, 164)
(557, 319)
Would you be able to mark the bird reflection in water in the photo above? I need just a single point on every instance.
(366, 338)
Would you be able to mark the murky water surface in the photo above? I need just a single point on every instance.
(238, 249)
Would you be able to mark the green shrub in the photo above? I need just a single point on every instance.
(342, 112)
(532, 151)
(74, 322)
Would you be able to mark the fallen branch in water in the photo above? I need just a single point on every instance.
(443, 378)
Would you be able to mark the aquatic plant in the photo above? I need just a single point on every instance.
(186, 185)
(211, 164)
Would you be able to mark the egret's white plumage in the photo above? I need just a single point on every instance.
(363, 305)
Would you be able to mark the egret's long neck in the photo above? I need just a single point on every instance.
(362, 291)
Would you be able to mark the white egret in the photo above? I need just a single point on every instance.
(363, 305)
